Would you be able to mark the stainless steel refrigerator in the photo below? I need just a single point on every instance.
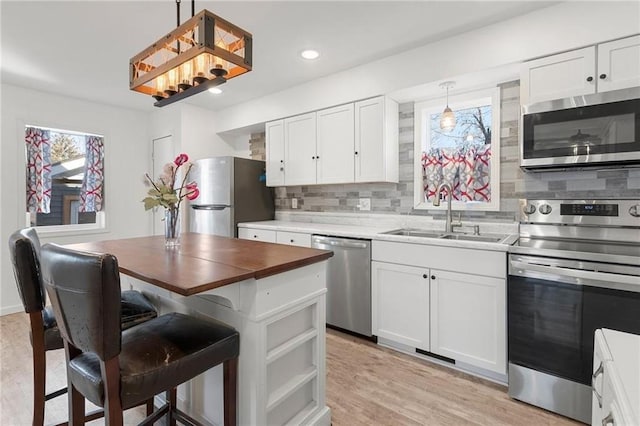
(232, 190)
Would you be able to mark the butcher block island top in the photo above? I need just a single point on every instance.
(202, 262)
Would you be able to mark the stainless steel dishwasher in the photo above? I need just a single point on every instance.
(348, 283)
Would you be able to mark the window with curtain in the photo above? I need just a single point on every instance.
(466, 157)
(64, 176)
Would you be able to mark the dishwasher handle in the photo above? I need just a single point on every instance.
(339, 242)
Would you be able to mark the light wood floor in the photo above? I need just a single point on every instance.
(366, 385)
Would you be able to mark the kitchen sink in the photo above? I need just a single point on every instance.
(465, 237)
(411, 232)
(407, 232)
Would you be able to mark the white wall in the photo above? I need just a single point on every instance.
(198, 138)
(126, 160)
(557, 28)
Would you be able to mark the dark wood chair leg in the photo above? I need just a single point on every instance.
(39, 367)
(76, 400)
(112, 404)
(172, 400)
(230, 374)
(76, 407)
(150, 407)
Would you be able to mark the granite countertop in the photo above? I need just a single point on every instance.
(377, 233)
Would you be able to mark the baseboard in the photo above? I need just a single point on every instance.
(7, 310)
(322, 418)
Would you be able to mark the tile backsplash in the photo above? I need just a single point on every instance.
(392, 198)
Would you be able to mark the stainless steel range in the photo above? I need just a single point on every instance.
(575, 268)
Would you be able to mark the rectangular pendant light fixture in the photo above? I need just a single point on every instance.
(203, 52)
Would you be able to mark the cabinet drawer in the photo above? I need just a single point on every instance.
(464, 260)
(265, 235)
(293, 238)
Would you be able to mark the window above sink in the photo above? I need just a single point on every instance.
(467, 157)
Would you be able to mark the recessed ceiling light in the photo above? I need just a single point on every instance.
(309, 54)
(215, 90)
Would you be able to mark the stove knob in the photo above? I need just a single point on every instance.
(635, 210)
(545, 209)
(529, 209)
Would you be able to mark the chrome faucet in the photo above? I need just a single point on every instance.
(436, 202)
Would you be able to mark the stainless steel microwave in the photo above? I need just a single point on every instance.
(599, 130)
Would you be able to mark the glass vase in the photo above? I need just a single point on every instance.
(172, 227)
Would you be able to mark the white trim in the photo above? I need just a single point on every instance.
(68, 132)
(461, 101)
(99, 227)
(73, 229)
(7, 310)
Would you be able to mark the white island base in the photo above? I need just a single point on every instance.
(281, 372)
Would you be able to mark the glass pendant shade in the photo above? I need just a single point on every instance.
(447, 120)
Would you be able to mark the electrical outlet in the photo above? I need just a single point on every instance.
(365, 204)
(294, 203)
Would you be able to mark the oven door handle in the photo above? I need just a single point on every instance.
(575, 276)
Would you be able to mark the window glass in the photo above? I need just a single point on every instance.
(64, 176)
(463, 158)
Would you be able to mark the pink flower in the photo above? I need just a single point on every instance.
(193, 193)
(181, 159)
(191, 186)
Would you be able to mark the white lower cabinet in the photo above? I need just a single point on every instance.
(615, 381)
(468, 319)
(400, 303)
(265, 235)
(459, 315)
(299, 239)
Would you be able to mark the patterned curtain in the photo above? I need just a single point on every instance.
(91, 191)
(466, 170)
(38, 170)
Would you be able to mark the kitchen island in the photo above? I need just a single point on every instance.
(274, 295)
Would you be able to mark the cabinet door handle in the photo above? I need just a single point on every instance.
(424, 276)
(596, 373)
(356, 152)
(317, 157)
(291, 240)
(433, 277)
(590, 79)
(603, 76)
(282, 161)
(609, 420)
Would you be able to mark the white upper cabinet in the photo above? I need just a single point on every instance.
(558, 76)
(376, 140)
(300, 149)
(355, 142)
(619, 64)
(607, 66)
(335, 145)
(275, 153)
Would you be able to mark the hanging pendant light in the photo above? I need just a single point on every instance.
(203, 52)
(447, 118)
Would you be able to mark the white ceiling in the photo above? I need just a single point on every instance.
(82, 48)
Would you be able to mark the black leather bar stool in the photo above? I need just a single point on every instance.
(24, 246)
(119, 370)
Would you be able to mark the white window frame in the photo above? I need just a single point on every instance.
(100, 225)
(422, 111)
